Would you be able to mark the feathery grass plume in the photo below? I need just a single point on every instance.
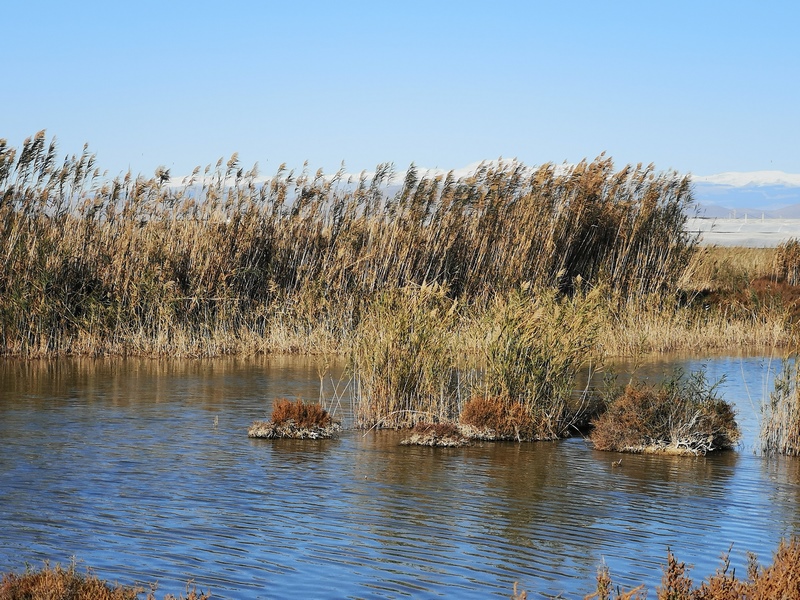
(403, 361)
(780, 412)
(683, 415)
(538, 344)
(230, 263)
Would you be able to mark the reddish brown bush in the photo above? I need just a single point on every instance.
(303, 415)
(505, 420)
(682, 415)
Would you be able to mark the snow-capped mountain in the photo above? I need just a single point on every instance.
(771, 194)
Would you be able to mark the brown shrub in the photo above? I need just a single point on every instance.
(499, 419)
(302, 414)
(782, 578)
(683, 415)
(676, 583)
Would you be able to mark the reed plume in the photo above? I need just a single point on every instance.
(227, 261)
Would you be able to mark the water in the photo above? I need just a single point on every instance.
(143, 471)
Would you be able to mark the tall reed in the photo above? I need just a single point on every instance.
(787, 262)
(229, 261)
(780, 412)
(404, 361)
(538, 344)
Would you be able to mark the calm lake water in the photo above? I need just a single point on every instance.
(143, 471)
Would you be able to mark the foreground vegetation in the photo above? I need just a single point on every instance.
(781, 579)
(68, 584)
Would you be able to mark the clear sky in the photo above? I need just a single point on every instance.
(701, 87)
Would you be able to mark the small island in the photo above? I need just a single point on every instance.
(298, 420)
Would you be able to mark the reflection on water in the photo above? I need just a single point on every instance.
(142, 470)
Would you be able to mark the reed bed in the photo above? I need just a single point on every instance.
(780, 412)
(404, 361)
(230, 262)
(537, 344)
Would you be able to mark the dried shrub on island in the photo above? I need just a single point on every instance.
(302, 414)
(683, 416)
(295, 420)
(497, 419)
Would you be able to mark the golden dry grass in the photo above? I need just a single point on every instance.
(66, 583)
(230, 264)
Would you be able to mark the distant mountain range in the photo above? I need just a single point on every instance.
(768, 194)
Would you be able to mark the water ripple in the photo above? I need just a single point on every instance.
(131, 475)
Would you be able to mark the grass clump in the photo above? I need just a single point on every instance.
(403, 360)
(539, 342)
(296, 420)
(683, 416)
(68, 584)
(787, 262)
(780, 413)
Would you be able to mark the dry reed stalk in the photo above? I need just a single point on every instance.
(403, 361)
(787, 262)
(780, 412)
(139, 266)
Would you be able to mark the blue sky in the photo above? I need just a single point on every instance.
(700, 87)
